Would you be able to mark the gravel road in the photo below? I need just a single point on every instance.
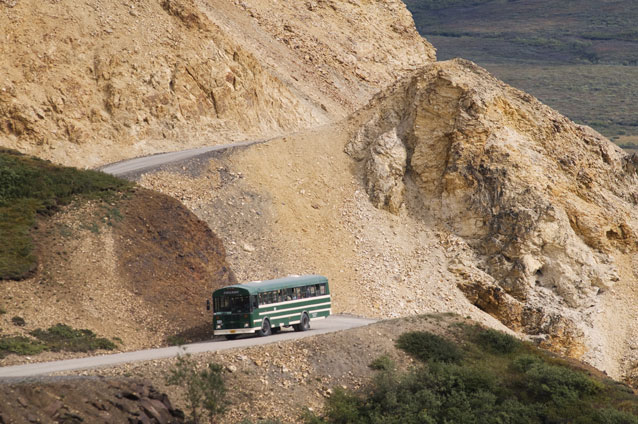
(329, 325)
(149, 162)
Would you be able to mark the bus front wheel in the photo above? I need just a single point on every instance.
(265, 329)
(304, 323)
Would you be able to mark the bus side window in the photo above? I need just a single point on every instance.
(312, 291)
(322, 289)
(255, 301)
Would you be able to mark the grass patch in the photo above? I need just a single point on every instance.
(494, 378)
(30, 187)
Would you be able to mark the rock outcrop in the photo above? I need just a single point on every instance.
(546, 204)
(88, 399)
(94, 83)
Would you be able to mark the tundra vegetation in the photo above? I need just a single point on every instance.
(480, 375)
(32, 188)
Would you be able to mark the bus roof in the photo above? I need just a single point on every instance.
(255, 287)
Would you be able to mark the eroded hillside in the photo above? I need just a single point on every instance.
(548, 206)
(92, 83)
(450, 191)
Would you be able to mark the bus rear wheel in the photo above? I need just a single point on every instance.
(265, 329)
(304, 323)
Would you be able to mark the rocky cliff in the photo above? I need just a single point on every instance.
(91, 83)
(548, 206)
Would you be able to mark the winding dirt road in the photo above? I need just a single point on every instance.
(146, 163)
(329, 325)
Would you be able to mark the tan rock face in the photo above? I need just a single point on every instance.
(544, 202)
(93, 83)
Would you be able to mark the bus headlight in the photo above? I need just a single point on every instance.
(219, 326)
(246, 325)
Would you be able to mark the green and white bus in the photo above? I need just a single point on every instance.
(264, 307)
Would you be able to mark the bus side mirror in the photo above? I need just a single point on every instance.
(208, 304)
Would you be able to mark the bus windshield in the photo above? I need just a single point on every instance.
(232, 304)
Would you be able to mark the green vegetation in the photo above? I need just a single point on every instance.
(30, 187)
(205, 389)
(576, 56)
(20, 346)
(382, 363)
(427, 346)
(489, 377)
(60, 337)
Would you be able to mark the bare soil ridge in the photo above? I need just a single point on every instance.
(137, 270)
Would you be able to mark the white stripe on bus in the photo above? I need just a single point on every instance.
(288, 302)
(297, 313)
(298, 308)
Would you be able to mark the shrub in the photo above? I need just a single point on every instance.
(497, 341)
(62, 337)
(176, 340)
(547, 382)
(19, 321)
(382, 363)
(426, 346)
(205, 389)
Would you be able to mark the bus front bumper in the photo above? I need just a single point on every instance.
(235, 331)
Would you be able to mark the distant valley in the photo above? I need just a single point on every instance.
(578, 57)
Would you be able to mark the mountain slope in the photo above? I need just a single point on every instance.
(93, 83)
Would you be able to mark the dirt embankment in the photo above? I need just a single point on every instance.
(138, 269)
